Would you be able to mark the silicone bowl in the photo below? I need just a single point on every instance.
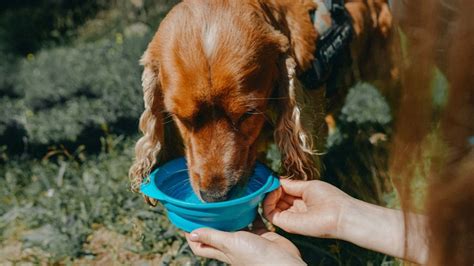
(170, 185)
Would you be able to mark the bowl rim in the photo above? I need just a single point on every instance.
(182, 164)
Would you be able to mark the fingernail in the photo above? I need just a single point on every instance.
(194, 237)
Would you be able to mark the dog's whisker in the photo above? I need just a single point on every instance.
(180, 171)
(167, 121)
(168, 117)
(268, 98)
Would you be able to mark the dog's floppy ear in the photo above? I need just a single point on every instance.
(292, 132)
(150, 144)
(293, 116)
(292, 136)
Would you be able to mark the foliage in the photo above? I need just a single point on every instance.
(26, 26)
(357, 155)
(57, 203)
(8, 67)
(132, 16)
(77, 92)
(10, 114)
(365, 105)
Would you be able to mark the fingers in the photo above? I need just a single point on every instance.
(204, 250)
(299, 206)
(270, 202)
(284, 197)
(288, 197)
(286, 202)
(211, 237)
(282, 205)
(291, 222)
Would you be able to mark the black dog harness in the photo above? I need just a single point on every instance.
(332, 45)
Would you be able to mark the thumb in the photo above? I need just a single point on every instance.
(291, 222)
(294, 187)
(211, 237)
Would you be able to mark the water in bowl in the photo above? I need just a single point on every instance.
(178, 186)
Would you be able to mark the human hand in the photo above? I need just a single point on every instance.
(311, 208)
(244, 248)
(318, 209)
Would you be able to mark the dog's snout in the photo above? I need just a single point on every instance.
(212, 183)
(212, 187)
(212, 196)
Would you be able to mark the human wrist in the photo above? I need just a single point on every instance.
(350, 209)
(383, 230)
(278, 257)
(364, 224)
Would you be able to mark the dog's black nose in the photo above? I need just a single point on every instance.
(210, 196)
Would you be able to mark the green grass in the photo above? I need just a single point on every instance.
(56, 206)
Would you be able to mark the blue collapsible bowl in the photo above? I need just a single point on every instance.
(170, 185)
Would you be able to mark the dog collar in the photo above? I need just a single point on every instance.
(334, 24)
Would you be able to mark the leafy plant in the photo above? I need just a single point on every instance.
(365, 105)
(357, 155)
(56, 203)
(72, 94)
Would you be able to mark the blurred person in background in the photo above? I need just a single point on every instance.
(440, 33)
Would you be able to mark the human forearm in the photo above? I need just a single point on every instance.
(383, 230)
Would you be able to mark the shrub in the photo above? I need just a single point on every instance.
(12, 123)
(55, 203)
(75, 92)
(357, 149)
(365, 105)
(8, 68)
(12, 114)
(26, 26)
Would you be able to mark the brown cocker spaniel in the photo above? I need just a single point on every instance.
(217, 74)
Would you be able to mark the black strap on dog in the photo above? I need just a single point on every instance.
(331, 46)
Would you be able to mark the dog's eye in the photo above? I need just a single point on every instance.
(246, 116)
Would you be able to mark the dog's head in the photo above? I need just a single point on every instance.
(214, 71)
